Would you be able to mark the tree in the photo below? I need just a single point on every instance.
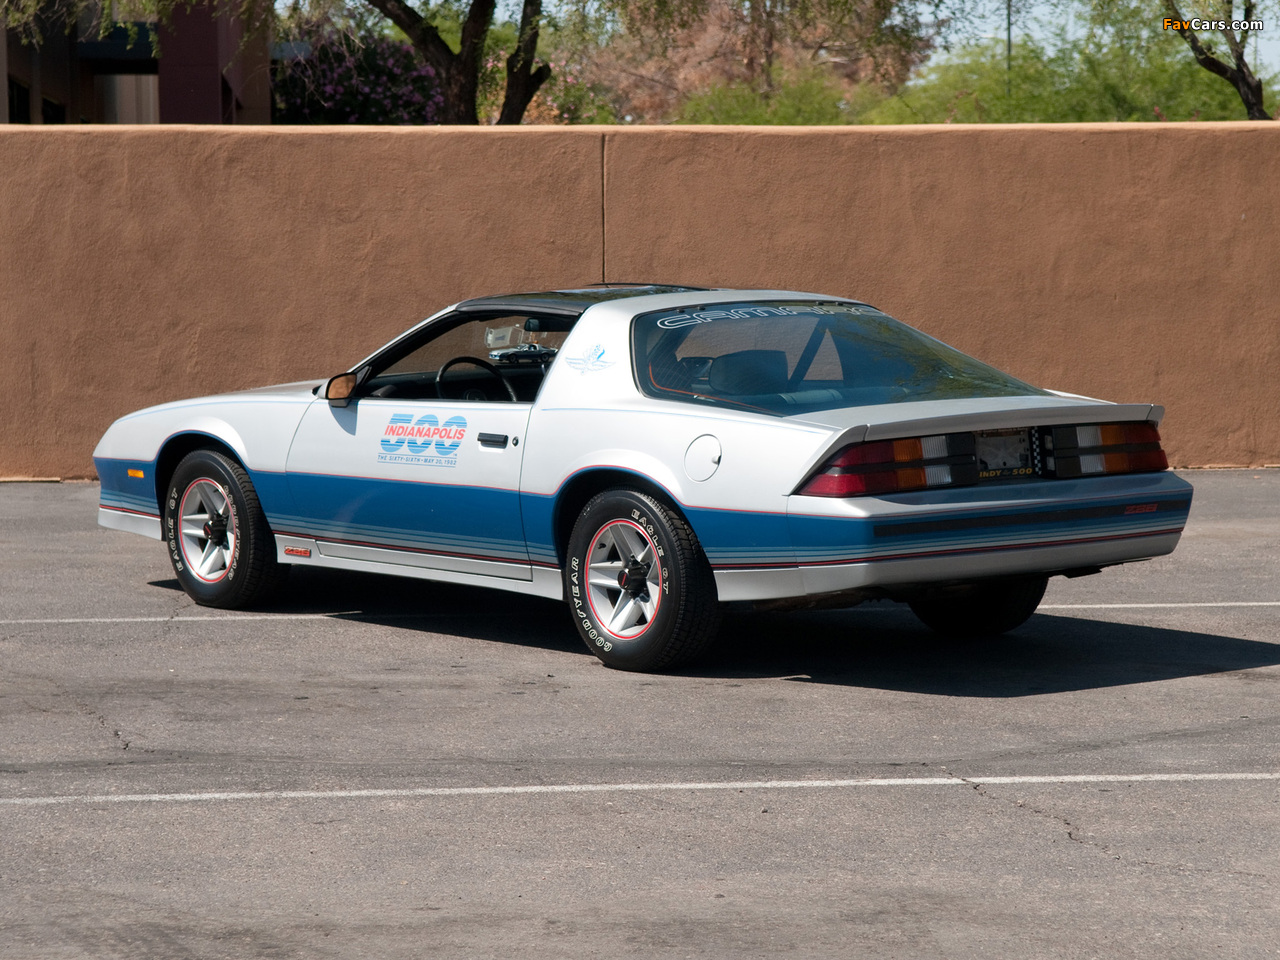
(457, 70)
(1072, 85)
(757, 60)
(1205, 27)
(352, 73)
(1117, 64)
(1235, 32)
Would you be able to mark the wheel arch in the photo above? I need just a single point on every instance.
(582, 486)
(177, 447)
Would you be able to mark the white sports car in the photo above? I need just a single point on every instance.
(647, 453)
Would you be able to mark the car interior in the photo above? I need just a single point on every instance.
(470, 358)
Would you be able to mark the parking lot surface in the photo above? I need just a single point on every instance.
(377, 767)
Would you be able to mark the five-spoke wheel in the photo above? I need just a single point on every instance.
(624, 578)
(642, 593)
(207, 530)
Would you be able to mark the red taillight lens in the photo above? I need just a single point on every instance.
(882, 466)
(863, 453)
(851, 484)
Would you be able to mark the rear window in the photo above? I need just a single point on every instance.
(788, 358)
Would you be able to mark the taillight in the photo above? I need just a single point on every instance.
(1104, 448)
(891, 466)
(997, 456)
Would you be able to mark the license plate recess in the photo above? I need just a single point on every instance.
(1003, 454)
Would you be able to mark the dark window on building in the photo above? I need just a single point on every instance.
(19, 102)
(51, 112)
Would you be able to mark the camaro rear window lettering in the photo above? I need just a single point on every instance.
(706, 316)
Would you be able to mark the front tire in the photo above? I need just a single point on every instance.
(220, 545)
(640, 587)
(983, 609)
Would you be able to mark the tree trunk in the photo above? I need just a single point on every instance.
(457, 73)
(1250, 89)
(523, 80)
(458, 86)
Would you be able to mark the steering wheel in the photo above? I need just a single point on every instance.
(484, 365)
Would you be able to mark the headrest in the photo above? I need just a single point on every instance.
(749, 371)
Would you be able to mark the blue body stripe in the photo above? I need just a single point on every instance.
(120, 491)
(438, 518)
(509, 526)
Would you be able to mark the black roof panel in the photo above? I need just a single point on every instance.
(569, 302)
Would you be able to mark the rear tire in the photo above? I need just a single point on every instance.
(983, 610)
(220, 545)
(640, 587)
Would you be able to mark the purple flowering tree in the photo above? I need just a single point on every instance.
(356, 77)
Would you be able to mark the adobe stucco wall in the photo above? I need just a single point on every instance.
(1131, 262)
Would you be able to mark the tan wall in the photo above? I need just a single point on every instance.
(1131, 262)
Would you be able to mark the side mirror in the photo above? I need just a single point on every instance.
(339, 389)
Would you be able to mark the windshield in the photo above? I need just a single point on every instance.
(787, 358)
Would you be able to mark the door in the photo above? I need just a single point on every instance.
(403, 475)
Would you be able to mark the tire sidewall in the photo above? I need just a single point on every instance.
(636, 652)
(206, 465)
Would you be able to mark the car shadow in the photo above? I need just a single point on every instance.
(884, 647)
(878, 646)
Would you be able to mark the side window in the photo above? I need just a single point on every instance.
(462, 341)
(514, 352)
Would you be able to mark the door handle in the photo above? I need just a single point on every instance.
(493, 439)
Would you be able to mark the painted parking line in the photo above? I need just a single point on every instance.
(676, 787)
(235, 618)
(1156, 606)
(239, 618)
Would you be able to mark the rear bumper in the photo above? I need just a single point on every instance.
(936, 537)
(994, 563)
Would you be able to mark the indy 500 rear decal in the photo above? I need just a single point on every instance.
(423, 441)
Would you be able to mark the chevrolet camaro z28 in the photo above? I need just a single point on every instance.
(649, 453)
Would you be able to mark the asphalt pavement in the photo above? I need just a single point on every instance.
(376, 767)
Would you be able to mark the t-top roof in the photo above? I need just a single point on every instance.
(571, 302)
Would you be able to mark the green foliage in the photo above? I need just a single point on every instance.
(569, 97)
(1075, 83)
(570, 38)
(805, 97)
(1121, 66)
